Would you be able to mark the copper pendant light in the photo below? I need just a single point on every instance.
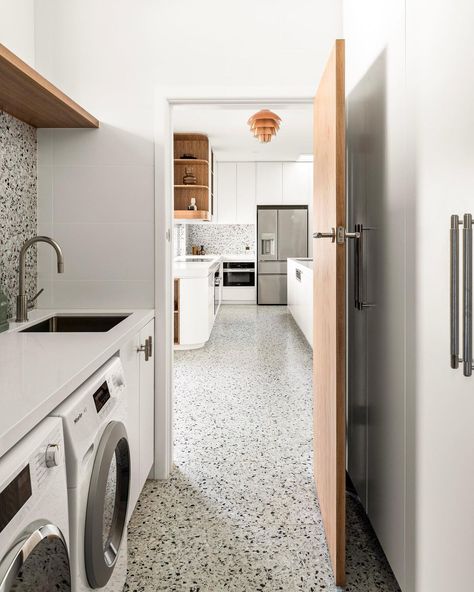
(264, 124)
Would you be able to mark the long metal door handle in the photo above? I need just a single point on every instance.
(359, 284)
(467, 295)
(454, 291)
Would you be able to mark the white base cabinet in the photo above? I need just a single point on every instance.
(300, 296)
(140, 382)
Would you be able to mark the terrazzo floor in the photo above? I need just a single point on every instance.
(239, 512)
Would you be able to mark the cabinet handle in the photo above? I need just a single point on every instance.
(150, 347)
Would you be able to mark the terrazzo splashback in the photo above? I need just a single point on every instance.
(221, 239)
(18, 203)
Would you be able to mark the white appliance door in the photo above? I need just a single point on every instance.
(292, 233)
(39, 560)
(107, 504)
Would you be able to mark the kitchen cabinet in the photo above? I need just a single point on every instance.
(241, 186)
(269, 184)
(300, 295)
(245, 193)
(297, 182)
(140, 382)
(227, 193)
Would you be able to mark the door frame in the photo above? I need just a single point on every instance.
(165, 100)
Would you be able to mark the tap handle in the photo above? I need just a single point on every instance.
(35, 297)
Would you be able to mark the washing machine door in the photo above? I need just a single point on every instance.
(38, 561)
(107, 504)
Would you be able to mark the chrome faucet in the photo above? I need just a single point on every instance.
(22, 298)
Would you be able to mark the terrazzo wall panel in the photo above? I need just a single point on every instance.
(220, 239)
(18, 203)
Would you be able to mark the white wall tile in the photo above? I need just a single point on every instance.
(103, 194)
(106, 251)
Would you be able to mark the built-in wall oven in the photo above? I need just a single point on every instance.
(239, 274)
(217, 289)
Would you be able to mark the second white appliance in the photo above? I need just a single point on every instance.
(34, 513)
(98, 475)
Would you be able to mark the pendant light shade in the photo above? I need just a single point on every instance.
(264, 125)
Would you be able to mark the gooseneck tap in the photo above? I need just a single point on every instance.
(22, 298)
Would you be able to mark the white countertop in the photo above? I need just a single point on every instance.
(194, 269)
(302, 261)
(185, 267)
(38, 371)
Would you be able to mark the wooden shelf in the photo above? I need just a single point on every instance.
(191, 161)
(192, 215)
(191, 187)
(26, 95)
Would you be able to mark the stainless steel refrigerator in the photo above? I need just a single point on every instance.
(282, 232)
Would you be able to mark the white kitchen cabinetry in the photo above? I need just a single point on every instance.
(198, 297)
(246, 203)
(139, 378)
(300, 295)
(297, 183)
(227, 193)
(269, 183)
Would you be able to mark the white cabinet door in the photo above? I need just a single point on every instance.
(131, 367)
(297, 182)
(246, 204)
(269, 183)
(147, 404)
(226, 192)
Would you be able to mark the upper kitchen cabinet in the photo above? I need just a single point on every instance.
(269, 185)
(246, 202)
(26, 95)
(297, 183)
(193, 177)
(227, 193)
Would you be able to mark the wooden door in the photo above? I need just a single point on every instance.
(329, 305)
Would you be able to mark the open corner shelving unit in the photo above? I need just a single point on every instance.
(28, 96)
(202, 166)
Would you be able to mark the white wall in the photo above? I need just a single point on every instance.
(17, 28)
(96, 187)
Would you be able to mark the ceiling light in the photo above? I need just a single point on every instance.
(264, 124)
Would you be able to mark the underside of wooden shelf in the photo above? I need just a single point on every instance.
(191, 161)
(28, 96)
(192, 215)
(191, 187)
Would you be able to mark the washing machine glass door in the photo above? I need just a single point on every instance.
(107, 504)
(39, 561)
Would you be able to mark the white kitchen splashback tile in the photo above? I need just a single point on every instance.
(221, 239)
(179, 240)
(18, 203)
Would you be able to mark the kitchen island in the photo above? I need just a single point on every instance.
(197, 298)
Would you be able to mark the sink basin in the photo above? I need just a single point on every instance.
(76, 324)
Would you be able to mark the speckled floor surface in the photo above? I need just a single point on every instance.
(239, 512)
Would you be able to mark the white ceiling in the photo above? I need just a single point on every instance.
(230, 137)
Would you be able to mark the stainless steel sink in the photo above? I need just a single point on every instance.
(76, 324)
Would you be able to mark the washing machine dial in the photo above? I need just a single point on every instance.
(53, 455)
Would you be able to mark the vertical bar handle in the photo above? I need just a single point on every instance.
(454, 290)
(358, 266)
(467, 296)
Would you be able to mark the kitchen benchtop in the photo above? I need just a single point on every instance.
(185, 267)
(38, 371)
(302, 261)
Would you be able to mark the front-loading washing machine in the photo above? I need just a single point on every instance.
(98, 477)
(34, 529)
